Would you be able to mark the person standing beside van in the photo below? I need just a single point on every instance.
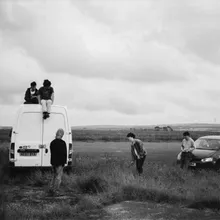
(188, 145)
(31, 94)
(138, 153)
(58, 159)
(46, 98)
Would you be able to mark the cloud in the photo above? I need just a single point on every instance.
(64, 39)
(114, 62)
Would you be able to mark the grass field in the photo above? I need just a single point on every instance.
(147, 135)
(101, 182)
(164, 153)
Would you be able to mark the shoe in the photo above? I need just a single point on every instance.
(44, 115)
(47, 115)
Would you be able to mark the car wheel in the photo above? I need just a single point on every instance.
(217, 166)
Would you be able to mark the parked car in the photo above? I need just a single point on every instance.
(206, 154)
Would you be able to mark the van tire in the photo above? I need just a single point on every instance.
(11, 172)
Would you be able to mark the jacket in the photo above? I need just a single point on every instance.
(58, 151)
(28, 96)
(137, 146)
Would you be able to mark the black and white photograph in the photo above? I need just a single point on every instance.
(109, 109)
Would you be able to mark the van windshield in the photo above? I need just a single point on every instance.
(207, 144)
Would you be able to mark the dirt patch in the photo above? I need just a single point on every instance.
(131, 210)
(128, 210)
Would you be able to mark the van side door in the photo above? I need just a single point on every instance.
(50, 127)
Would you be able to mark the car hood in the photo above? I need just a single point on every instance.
(201, 153)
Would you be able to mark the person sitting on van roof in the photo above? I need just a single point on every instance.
(58, 159)
(31, 94)
(46, 97)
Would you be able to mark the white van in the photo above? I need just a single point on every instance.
(31, 136)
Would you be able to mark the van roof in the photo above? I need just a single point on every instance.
(38, 108)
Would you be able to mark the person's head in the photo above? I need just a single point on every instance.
(131, 136)
(186, 135)
(46, 83)
(33, 85)
(59, 133)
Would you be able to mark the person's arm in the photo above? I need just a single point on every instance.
(135, 151)
(27, 95)
(51, 153)
(132, 154)
(64, 153)
(39, 96)
(182, 147)
(52, 97)
(192, 146)
(35, 94)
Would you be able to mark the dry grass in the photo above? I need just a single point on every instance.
(95, 183)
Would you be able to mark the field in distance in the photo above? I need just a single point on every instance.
(156, 152)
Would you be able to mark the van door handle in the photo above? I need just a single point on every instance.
(46, 150)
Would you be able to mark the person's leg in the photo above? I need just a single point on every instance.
(49, 103)
(34, 101)
(182, 160)
(44, 106)
(59, 176)
(138, 166)
(141, 164)
(187, 160)
(52, 184)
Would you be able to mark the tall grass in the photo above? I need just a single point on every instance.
(3, 176)
(94, 183)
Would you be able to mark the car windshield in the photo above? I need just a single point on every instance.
(207, 144)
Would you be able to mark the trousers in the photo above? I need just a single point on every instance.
(57, 177)
(46, 105)
(186, 157)
(139, 164)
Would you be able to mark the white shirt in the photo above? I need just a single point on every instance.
(188, 145)
(32, 92)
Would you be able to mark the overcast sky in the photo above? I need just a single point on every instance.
(114, 61)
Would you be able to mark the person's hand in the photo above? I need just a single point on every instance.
(132, 162)
(138, 157)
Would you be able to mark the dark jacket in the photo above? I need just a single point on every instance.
(58, 151)
(138, 146)
(28, 97)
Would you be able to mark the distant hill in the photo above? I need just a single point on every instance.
(178, 127)
(187, 126)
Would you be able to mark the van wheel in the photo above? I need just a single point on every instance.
(11, 172)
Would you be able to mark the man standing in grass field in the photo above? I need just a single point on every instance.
(138, 153)
(58, 151)
(187, 147)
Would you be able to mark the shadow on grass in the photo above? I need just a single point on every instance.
(91, 184)
(141, 194)
(205, 204)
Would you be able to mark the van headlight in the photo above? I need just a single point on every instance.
(209, 159)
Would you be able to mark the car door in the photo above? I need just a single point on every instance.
(50, 127)
(28, 140)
